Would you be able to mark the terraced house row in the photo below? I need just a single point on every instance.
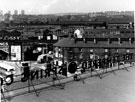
(98, 37)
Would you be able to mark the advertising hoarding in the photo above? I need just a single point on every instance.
(15, 52)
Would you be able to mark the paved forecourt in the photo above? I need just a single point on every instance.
(111, 88)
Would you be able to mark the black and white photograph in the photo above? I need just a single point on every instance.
(67, 51)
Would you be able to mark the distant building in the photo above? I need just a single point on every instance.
(111, 13)
(22, 12)
(1, 12)
(9, 12)
(8, 17)
(1, 15)
(15, 12)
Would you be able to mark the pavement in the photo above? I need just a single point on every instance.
(111, 88)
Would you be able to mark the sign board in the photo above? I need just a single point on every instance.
(15, 52)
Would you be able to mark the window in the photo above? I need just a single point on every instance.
(106, 50)
(127, 31)
(91, 50)
(122, 31)
(120, 41)
(95, 41)
(54, 37)
(127, 51)
(80, 49)
(48, 37)
(117, 32)
(40, 37)
(117, 51)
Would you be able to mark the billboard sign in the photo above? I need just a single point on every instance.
(15, 52)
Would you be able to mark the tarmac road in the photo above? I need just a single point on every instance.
(112, 88)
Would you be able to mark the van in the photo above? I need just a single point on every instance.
(6, 69)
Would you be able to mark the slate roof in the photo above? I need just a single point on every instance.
(67, 42)
(60, 34)
(15, 33)
(4, 33)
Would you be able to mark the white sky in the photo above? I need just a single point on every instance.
(66, 6)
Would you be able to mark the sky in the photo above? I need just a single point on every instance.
(66, 6)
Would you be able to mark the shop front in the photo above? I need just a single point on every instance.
(23, 50)
(32, 51)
